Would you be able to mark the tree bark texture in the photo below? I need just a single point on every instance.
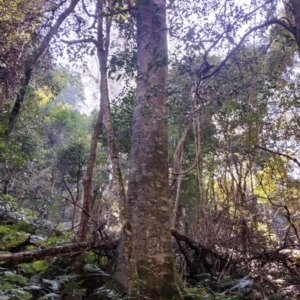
(20, 98)
(126, 271)
(102, 53)
(88, 179)
(148, 189)
(296, 11)
(177, 169)
(197, 137)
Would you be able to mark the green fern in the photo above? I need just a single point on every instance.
(66, 278)
(53, 285)
(106, 292)
(194, 293)
(50, 296)
(93, 269)
(16, 294)
(56, 283)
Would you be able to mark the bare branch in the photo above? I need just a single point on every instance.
(74, 203)
(81, 41)
(295, 160)
(129, 111)
(253, 29)
(120, 11)
(87, 12)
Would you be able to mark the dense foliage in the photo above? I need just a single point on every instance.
(233, 112)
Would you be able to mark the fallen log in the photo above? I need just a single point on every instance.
(285, 256)
(197, 246)
(64, 250)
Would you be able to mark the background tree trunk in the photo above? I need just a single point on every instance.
(88, 179)
(177, 169)
(148, 190)
(295, 4)
(126, 256)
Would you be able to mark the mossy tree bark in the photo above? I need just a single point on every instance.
(148, 190)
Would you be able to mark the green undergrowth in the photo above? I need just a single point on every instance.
(208, 287)
(86, 276)
(83, 276)
(56, 279)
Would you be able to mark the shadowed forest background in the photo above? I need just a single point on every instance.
(183, 181)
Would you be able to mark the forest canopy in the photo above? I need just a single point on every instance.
(183, 181)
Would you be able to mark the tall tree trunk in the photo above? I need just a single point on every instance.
(88, 178)
(148, 190)
(177, 169)
(197, 137)
(126, 257)
(296, 11)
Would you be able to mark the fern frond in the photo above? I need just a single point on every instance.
(50, 296)
(94, 269)
(108, 293)
(66, 278)
(54, 285)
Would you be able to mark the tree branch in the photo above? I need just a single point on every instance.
(45, 43)
(295, 160)
(90, 40)
(120, 11)
(29, 65)
(68, 249)
(232, 52)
